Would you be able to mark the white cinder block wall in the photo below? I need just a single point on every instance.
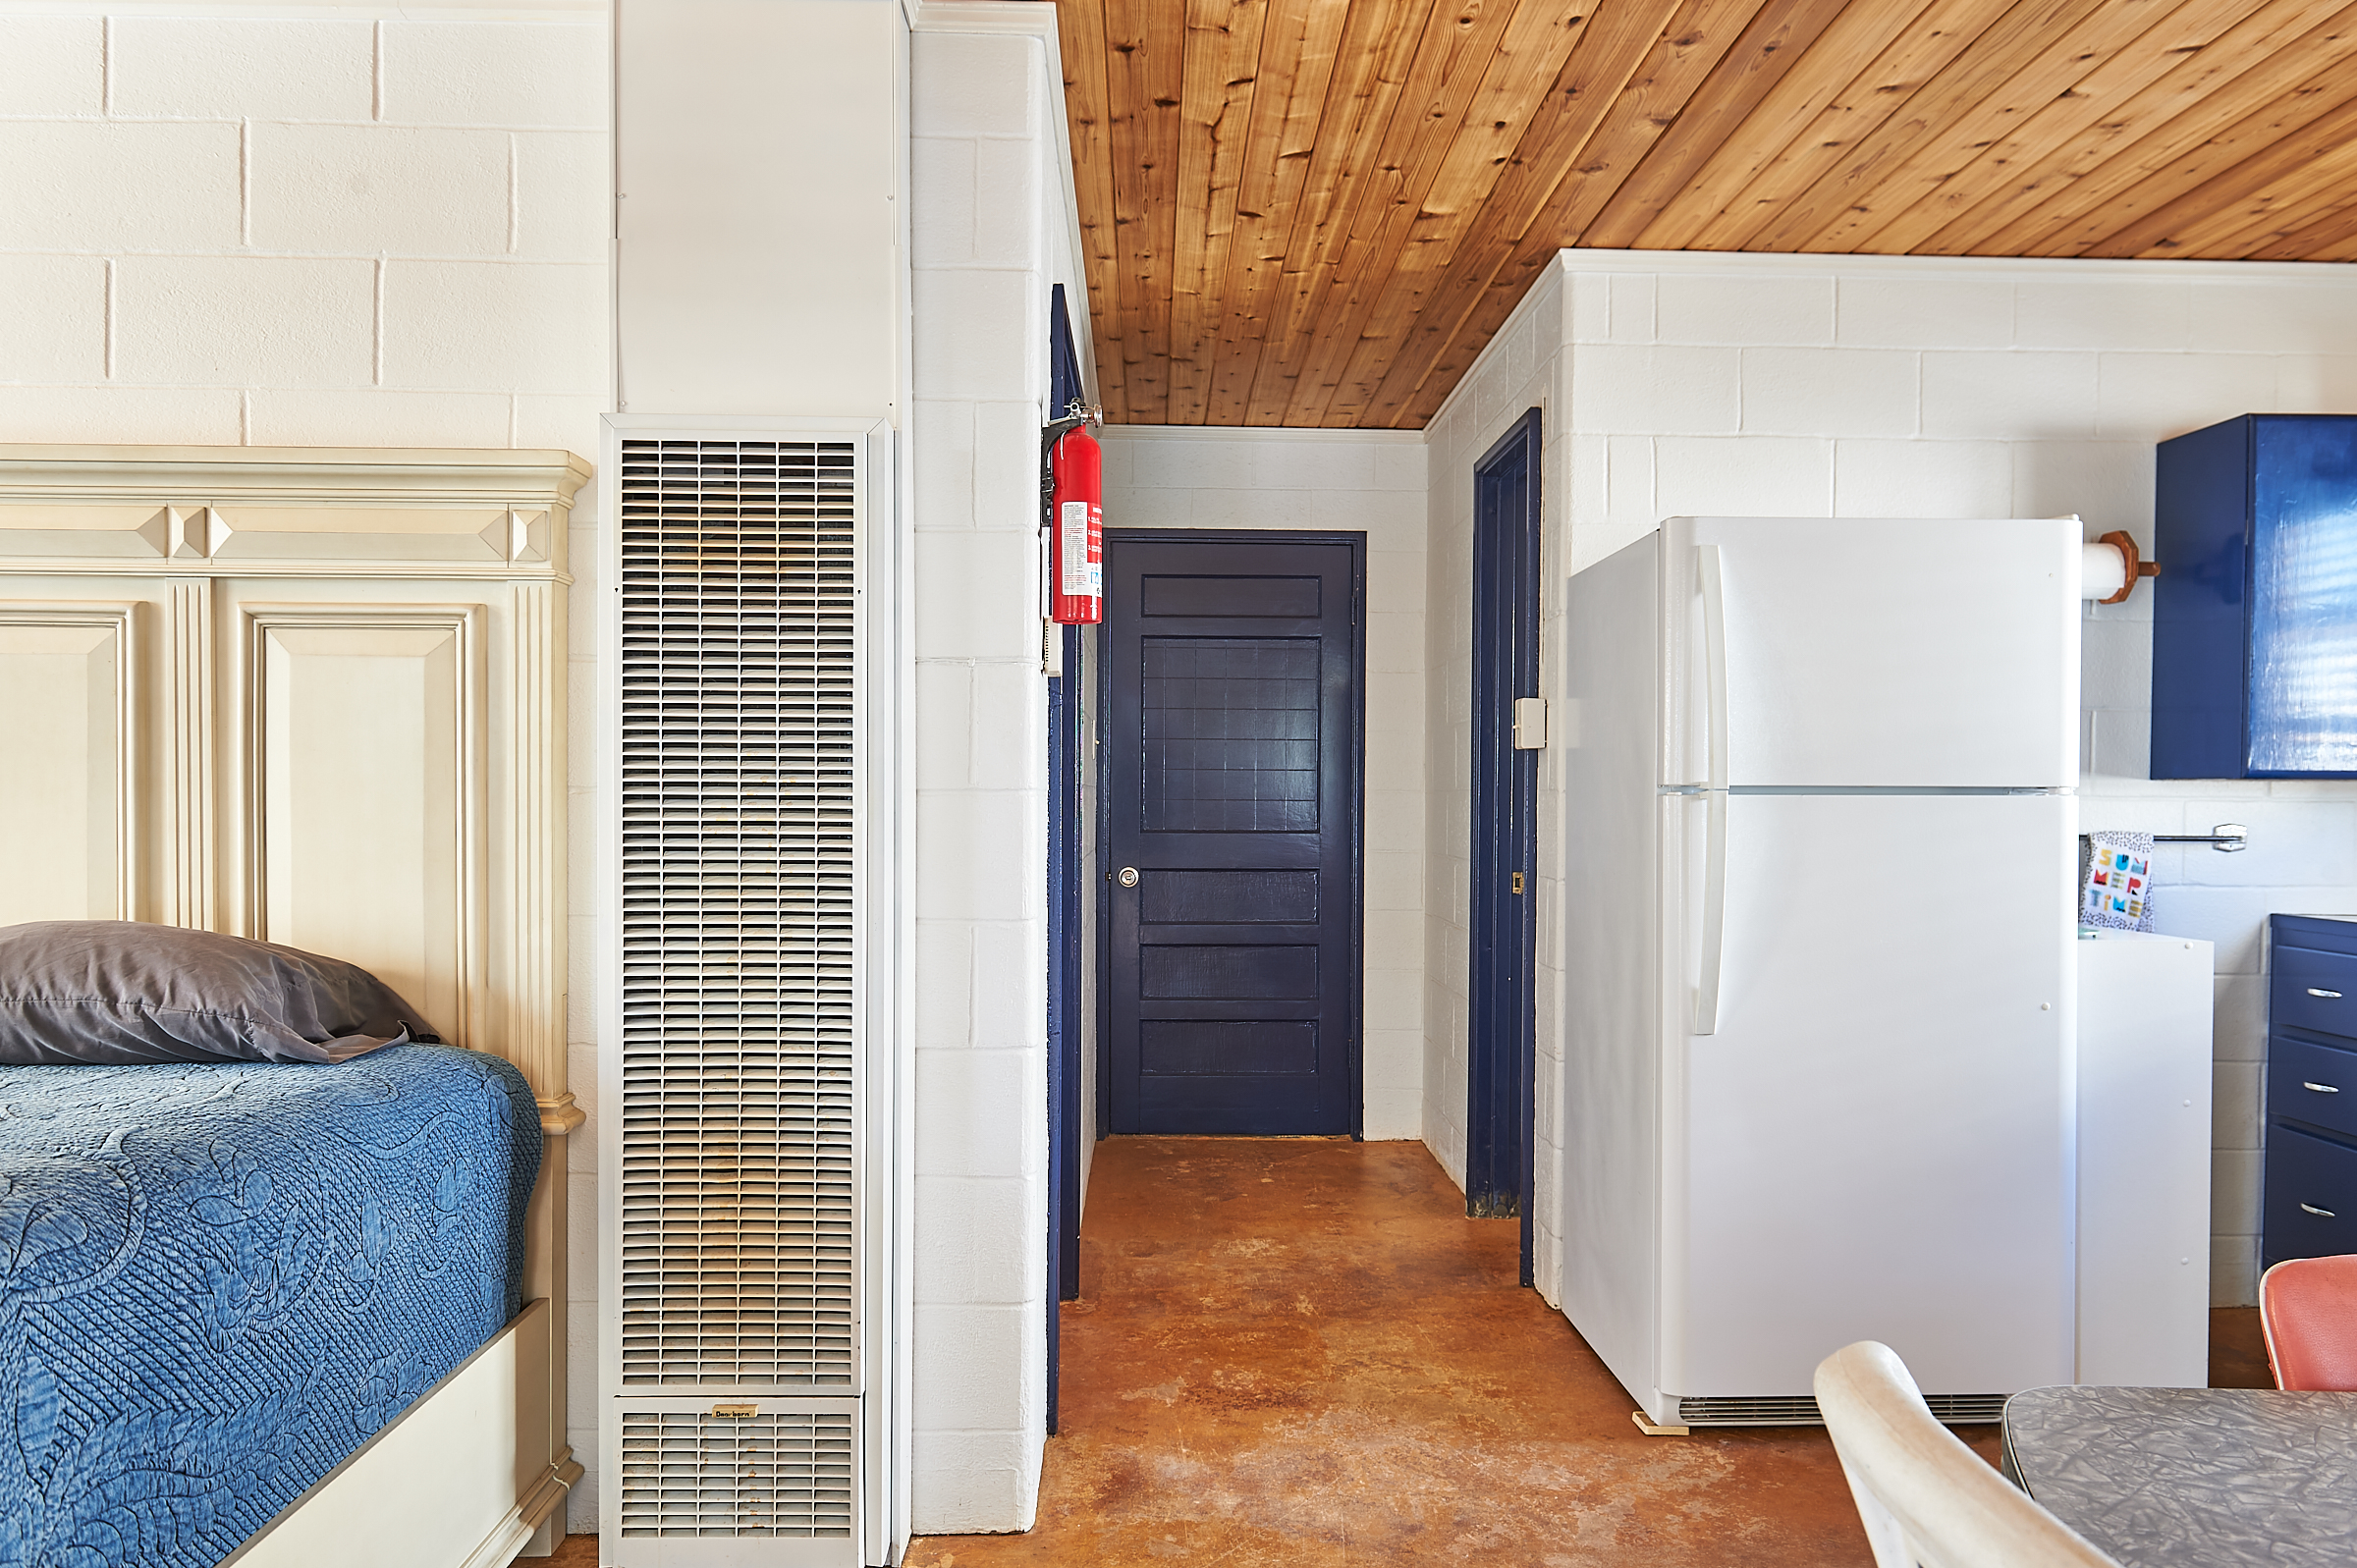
(989, 236)
(1898, 387)
(1164, 477)
(367, 227)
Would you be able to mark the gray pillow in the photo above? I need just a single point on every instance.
(117, 992)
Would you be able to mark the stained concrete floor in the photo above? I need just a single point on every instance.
(1301, 1352)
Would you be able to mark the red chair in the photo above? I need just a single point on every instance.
(2308, 1309)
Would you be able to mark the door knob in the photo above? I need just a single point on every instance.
(1126, 877)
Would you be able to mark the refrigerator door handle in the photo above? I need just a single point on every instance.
(1714, 881)
(1714, 914)
(1714, 660)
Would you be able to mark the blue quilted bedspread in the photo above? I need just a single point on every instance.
(218, 1281)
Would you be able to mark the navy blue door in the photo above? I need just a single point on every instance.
(1232, 792)
(1506, 791)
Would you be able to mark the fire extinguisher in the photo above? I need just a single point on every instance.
(1077, 537)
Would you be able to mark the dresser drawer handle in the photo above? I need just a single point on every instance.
(2328, 996)
(2321, 1214)
(2320, 1088)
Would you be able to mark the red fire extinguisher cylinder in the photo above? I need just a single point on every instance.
(1076, 541)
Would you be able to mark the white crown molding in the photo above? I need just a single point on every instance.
(1273, 433)
(377, 511)
(2338, 274)
(592, 12)
(1030, 19)
(327, 474)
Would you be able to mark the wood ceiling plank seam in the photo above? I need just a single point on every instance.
(2343, 250)
(2268, 218)
(1812, 221)
(2314, 240)
(1778, 38)
(1299, 46)
(1512, 89)
(2271, 212)
(1227, 176)
(1125, 91)
(1610, 49)
(2243, 69)
(1379, 46)
(1165, 66)
(1222, 51)
(2323, 139)
(1680, 59)
(1974, 161)
(1864, 29)
(2040, 72)
(1080, 33)
(1310, 170)
(2135, 209)
(1688, 53)
(2103, 94)
(1441, 87)
(1881, 89)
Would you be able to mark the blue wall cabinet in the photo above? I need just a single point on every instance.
(2255, 611)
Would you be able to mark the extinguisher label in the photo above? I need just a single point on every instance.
(1083, 575)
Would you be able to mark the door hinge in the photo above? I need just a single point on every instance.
(1518, 882)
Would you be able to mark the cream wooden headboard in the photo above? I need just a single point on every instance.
(312, 695)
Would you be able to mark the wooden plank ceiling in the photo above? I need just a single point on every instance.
(1316, 212)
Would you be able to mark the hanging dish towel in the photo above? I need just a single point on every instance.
(2119, 891)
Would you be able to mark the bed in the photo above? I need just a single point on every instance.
(313, 697)
(219, 1281)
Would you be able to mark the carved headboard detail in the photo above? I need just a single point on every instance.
(313, 695)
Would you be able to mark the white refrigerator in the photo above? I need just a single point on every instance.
(1819, 988)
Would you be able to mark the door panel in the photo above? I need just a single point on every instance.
(1959, 639)
(1232, 788)
(1874, 1140)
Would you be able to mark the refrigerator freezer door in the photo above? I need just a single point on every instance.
(1894, 654)
(1876, 1142)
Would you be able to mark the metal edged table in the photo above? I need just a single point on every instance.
(2193, 1477)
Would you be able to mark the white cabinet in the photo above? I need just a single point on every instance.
(2144, 1159)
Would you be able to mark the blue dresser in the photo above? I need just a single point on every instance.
(2310, 1207)
(2255, 611)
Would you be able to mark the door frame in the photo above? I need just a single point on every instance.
(1063, 874)
(1357, 540)
(1502, 950)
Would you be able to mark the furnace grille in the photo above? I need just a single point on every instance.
(738, 708)
(1955, 1410)
(691, 1474)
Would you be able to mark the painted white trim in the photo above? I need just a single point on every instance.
(329, 475)
(1340, 435)
(1023, 17)
(574, 10)
(2339, 273)
(448, 1440)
